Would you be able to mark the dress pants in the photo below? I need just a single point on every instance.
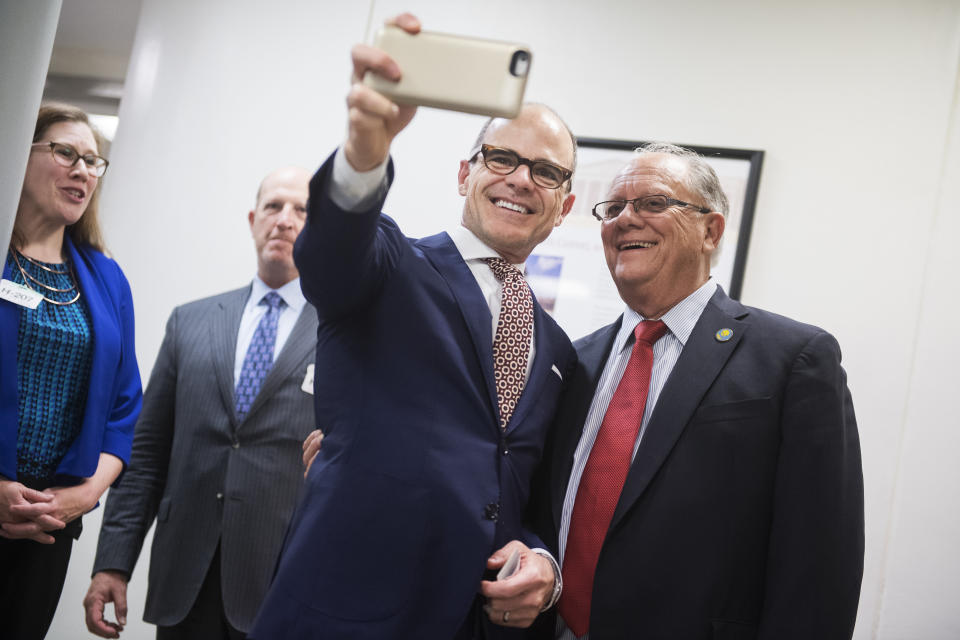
(206, 619)
(31, 579)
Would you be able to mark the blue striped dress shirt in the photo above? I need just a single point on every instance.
(680, 319)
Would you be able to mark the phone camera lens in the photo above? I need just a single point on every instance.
(520, 63)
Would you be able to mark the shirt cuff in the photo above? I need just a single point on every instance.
(353, 190)
(557, 578)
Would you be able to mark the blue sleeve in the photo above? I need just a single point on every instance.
(344, 256)
(127, 390)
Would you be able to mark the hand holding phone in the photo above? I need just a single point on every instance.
(374, 119)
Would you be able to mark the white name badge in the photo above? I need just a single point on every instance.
(19, 294)
(308, 380)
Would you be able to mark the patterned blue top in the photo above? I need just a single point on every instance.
(54, 354)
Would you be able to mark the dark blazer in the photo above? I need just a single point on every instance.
(742, 513)
(207, 477)
(415, 485)
(113, 391)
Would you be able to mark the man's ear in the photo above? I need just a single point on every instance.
(462, 176)
(714, 224)
(250, 217)
(565, 209)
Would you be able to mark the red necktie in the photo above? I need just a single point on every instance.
(511, 344)
(603, 478)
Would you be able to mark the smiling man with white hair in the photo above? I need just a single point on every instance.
(705, 478)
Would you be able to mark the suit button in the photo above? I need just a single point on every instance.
(506, 452)
(219, 497)
(236, 444)
(491, 511)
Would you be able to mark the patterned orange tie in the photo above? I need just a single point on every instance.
(603, 478)
(511, 344)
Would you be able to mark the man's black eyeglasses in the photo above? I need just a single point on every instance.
(505, 161)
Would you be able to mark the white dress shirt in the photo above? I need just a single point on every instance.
(253, 311)
(680, 320)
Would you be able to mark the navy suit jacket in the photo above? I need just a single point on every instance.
(416, 484)
(742, 513)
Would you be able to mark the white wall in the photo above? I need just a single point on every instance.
(853, 101)
(922, 567)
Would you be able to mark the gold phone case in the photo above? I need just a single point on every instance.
(454, 72)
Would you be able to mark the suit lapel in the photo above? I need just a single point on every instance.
(444, 256)
(224, 325)
(702, 359)
(592, 354)
(298, 346)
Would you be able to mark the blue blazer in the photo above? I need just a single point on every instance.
(742, 514)
(416, 484)
(113, 393)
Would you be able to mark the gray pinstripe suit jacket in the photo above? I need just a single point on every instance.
(204, 476)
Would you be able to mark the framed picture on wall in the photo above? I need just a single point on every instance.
(568, 272)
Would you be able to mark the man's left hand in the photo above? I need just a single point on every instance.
(516, 601)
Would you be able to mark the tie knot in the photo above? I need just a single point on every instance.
(650, 331)
(503, 270)
(272, 300)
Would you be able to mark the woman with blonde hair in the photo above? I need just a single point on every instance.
(69, 382)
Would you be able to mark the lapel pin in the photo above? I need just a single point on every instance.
(723, 335)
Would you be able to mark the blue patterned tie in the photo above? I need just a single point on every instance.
(259, 356)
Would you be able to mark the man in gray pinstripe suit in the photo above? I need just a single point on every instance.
(220, 481)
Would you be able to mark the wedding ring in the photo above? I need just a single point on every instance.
(506, 616)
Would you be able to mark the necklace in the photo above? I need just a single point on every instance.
(43, 266)
(27, 278)
(27, 275)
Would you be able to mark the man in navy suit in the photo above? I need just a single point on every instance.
(425, 470)
(738, 509)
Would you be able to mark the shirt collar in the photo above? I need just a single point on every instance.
(290, 292)
(473, 248)
(680, 319)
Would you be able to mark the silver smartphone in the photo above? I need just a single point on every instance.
(454, 72)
